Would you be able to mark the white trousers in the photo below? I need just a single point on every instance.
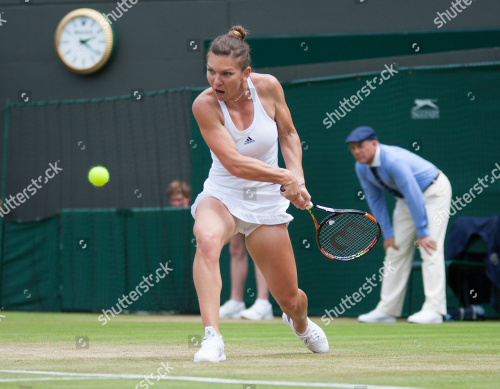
(437, 197)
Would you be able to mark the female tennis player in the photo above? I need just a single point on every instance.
(241, 116)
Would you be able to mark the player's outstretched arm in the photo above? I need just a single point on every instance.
(291, 147)
(287, 134)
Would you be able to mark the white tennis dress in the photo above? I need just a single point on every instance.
(251, 201)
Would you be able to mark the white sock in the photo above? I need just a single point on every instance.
(262, 302)
(210, 332)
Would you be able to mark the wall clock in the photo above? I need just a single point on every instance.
(84, 40)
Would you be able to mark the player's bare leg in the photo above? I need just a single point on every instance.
(213, 228)
(261, 309)
(271, 249)
(233, 307)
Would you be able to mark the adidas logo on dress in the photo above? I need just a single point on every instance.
(249, 140)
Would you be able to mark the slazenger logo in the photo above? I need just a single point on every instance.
(425, 109)
(249, 140)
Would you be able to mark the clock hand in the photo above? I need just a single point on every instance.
(86, 40)
(90, 48)
(80, 44)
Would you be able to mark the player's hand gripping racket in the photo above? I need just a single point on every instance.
(345, 234)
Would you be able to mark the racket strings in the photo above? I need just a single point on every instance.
(347, 235)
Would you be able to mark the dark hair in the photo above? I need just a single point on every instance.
(233, 45)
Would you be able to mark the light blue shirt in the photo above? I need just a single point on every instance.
(404, 171)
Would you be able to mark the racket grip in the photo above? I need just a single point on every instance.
(310, 205)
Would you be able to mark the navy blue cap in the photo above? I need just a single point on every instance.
(360, 134)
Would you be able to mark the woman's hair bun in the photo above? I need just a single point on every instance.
(237, 49)
(238, 32)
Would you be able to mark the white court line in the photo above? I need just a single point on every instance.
(203, 379)
(46, 379)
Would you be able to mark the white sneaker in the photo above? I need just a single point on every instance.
(231, 309)
(376, 316)
(260, 310)
(426, 317)
(212, 347)
(314, 338)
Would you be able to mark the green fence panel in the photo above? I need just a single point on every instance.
(107, 253)
(92, 259)
(157, 236)
(30, 269)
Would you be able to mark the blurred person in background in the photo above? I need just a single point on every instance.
(179, 194)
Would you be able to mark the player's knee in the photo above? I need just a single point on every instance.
(290, 302)
(208, 245)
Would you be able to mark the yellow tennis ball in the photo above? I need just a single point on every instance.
(98, 176)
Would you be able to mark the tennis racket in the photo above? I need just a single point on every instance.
(345, 234)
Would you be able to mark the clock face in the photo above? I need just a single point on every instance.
(84, 40)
